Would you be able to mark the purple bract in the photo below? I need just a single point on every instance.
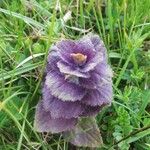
(78, 83)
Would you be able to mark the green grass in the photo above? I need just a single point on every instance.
(27, 30)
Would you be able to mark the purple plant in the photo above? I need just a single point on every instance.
(78, 84)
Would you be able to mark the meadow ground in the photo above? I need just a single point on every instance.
(27, 30)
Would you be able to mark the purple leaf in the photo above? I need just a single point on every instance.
(86, 133)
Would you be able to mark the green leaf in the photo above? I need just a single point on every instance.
(18, 71)
(145, 101)
(114, 55)
(24, 18)
(138, 136)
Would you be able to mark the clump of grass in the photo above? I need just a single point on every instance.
(27, 30)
